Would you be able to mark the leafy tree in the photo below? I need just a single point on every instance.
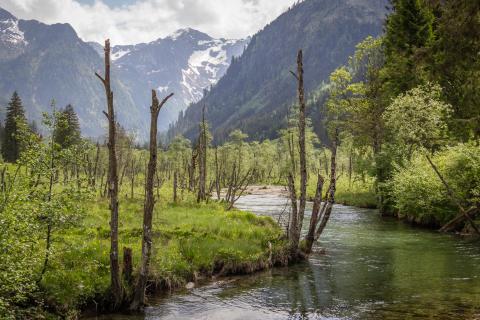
(418, 117)
(11, 146)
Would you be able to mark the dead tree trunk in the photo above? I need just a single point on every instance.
(301, 142)
(327, 208)
(175, 186)
(127, 266)
(139, 297)
(296, 220)
(217, 174)
(310, 238)
(202, 147)
(95, 168)
(116, 286)
(191, 170)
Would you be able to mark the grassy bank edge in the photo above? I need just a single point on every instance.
(192, 242)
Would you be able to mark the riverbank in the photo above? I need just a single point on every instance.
(192, 241)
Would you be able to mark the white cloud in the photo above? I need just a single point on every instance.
(147, 20)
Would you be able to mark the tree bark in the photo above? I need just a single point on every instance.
(202, 195)
(293, 219)
(301, 142)
(310, 238)
(139, 298)
(296, 221)
(332, 188)
(175, 185)
(116, 286)
(127, 265)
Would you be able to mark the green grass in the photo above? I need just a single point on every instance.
(357, 193)
(190, 240)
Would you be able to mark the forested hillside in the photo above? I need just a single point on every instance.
(258, 88)
(45, 62)
(49, 62)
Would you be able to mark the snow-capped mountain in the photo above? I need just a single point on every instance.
(187, 62)
(44, 62)
(50, 62)
(12, 39)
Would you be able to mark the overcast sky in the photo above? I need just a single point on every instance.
(134, 21)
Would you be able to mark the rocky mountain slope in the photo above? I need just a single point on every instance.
(186, 63)
(44, 62)
(257, 88)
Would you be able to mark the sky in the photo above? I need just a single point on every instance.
(135, 21)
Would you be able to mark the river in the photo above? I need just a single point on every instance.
(372, 268)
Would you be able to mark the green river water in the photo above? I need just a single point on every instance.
(372, 268)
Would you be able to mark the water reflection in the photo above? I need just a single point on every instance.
(372, 268)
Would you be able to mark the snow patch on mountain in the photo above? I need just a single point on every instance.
(9, 32)
(120, 53)
(204, 68)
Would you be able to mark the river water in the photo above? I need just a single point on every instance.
(372, 268)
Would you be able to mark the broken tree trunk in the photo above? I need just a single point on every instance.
(292, 221)
(116, 286)
(327, 209)
(202, 147)
(317, 201)
(139, 296)
(296, 221)
(175, 184)
(301, 142)
(127, 266)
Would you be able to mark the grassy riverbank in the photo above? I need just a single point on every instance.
(351, 193)
(191, 241)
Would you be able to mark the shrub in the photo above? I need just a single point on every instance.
(421, 197)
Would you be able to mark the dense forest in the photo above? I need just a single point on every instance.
(99, 224)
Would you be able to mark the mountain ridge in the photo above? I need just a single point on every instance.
(44, 62)
(257, 89)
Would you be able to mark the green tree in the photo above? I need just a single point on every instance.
(418, 118)
(67, 131)
(409, 29)
(11, 146)
(455, 62)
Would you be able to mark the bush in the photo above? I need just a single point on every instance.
(420, 196)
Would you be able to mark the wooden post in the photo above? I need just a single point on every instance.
(116, 286)
(139, 297)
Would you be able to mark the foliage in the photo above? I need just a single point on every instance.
(67, 132)
(11, 146)
(409, 29)
(421, 196)
(418, 117)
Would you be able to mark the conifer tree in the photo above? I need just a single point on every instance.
(409, 29)
(11, 145)
(67, 132)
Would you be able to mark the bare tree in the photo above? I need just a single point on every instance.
(297, 213)
(116, 286)
(202, 155)
(139, 298)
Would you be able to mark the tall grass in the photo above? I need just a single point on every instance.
(190, 241)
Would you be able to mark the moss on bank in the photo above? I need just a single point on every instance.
(191, 240)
